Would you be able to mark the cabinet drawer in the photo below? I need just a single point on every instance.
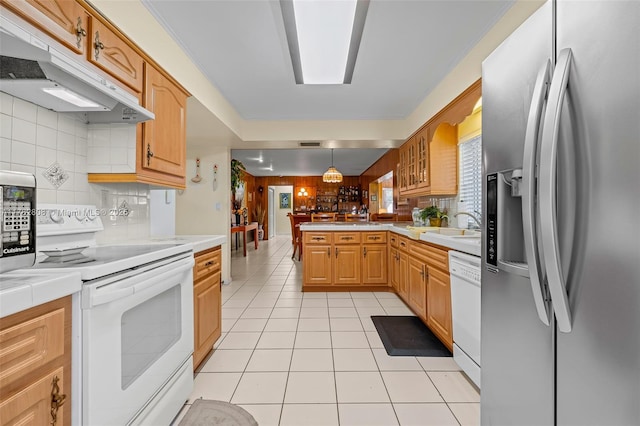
(375, 237)
(347, 238)
(317, 237)
(34, 341)
(32, 405)
(394, 239)
(433, 256)
(207, 263)
(403, 243)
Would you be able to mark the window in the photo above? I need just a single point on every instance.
(471, 176)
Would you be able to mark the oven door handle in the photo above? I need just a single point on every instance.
(108, 293)
(185, 265)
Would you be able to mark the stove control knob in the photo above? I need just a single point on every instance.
(56, 216)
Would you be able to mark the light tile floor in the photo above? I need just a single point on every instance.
(293, 358)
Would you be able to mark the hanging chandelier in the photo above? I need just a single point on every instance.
(332, 175)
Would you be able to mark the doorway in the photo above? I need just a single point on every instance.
(272, 222)
(279, 207)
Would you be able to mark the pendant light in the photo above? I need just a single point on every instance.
(332, 175)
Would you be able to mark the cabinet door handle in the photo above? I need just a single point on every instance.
(403, 244)
(97, 45)
(57, 400)
(209, 263)
(149, 154)
(317, 238)
(365, 252)
(80, 32)
(336, 252)
(328, 251)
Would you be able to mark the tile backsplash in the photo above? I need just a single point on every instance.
(34, 138)
(53, 147)
(127, 205)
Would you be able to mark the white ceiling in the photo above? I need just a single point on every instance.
(407, 48)
(306, 161)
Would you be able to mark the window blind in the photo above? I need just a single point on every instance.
(471, 176)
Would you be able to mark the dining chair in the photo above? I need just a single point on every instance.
(323, 217)
(296, 233)
(356, 217)
(384, 217)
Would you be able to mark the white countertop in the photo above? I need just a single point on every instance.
(466, 245)
(23, 290)
(199, 242)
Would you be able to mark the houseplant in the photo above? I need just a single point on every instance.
(434, 214)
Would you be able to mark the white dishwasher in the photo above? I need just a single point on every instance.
(465, 308)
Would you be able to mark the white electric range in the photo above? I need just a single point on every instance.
(133, 319)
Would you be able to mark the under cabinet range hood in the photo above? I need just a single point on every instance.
(33, 70)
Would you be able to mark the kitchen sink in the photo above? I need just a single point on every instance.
(457, 232)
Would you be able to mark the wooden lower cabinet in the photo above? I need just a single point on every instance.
(207, 306)
(341, 260)
(35, 355)
(403, 275)
(420, 276)
(417, 297)
(374, 265)
(439, 306)
(347, 265)
(394, 270)
(317, 264)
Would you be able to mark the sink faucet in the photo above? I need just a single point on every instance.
(474, 217)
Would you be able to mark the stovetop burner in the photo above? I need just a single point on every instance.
(99, 261)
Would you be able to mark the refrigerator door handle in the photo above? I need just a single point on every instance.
(532, 134)
(548, 191)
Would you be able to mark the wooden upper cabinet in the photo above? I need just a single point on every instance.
(403, 167)
(412, 164)
(164, 140)
(112, 54)
(430, 156)
(64, 20)
(423, 168)
(444, 164)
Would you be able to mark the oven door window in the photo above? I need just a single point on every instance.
(148, 331)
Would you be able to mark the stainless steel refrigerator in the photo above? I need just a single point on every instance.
(561, 248)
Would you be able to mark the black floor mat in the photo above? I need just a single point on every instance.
(408, 336)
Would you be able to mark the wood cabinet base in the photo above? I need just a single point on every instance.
(334, 288)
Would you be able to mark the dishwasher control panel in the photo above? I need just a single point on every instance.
(465, 266)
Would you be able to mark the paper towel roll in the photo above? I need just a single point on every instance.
(463, 219)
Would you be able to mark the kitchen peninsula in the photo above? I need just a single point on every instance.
(374, 256)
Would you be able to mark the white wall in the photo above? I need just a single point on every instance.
(205, 207)
(283, 224)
